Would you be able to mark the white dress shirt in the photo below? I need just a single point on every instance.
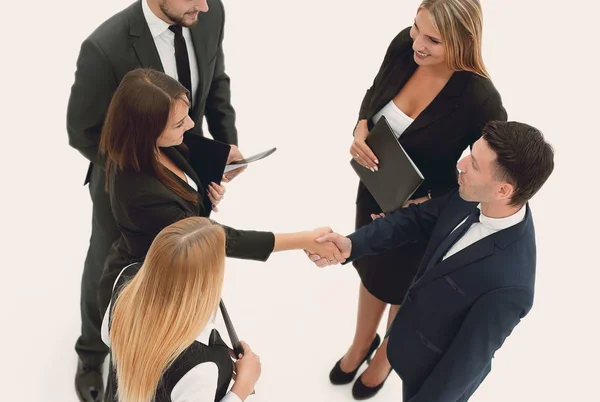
(398, 120)
(485, 227)
(164, 39)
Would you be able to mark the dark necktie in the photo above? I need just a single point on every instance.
(182, 59)
(454, 236)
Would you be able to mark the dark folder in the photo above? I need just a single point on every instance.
(397, 177)
(233, 337)
(207, 157)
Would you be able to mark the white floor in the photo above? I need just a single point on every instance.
(298, 76)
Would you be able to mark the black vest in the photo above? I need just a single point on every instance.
(197, 353)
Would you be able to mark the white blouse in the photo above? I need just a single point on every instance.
(398, 120)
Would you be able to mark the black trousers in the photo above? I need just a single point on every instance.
(89, 346)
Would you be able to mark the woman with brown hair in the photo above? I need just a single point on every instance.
(152, 184)
(435, 92)
(160, 322)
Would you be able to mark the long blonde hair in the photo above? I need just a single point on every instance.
(460, 23)
(160, 312)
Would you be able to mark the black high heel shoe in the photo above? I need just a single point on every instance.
(360, 391)
(339, 377)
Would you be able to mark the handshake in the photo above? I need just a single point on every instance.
(325, 247)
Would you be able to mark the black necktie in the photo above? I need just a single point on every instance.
(182, 59)
(454, 236)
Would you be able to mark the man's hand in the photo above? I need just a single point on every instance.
(343, 245)
(416, 201)
(234, 155)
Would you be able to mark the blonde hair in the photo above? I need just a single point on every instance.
(460, 23)
(161, 311)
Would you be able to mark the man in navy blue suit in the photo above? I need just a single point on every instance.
(476, 280)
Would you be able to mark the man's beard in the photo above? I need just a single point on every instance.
(179, 20)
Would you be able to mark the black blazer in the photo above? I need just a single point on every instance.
(459, 311)
(142, 206)
(124, 43)
(452, 122)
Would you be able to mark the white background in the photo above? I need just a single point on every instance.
(299, 71)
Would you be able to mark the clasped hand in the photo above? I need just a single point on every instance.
(328, 248)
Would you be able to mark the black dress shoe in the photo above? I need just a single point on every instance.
(360, 391)
(339, 377)
(88, 382)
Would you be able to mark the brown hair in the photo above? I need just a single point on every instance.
(160, 312)
(524, 159)
(137, 115)
(460, 23)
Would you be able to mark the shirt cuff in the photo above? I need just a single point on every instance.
(356, 251)
(231, 397)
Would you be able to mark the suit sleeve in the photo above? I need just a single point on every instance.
(152, 216)
(489, 322)
(406, 225)
(220, 115)
(90, 96)
(249, 244)
(398, 43)
(492, 109)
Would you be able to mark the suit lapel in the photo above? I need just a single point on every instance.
(199, 43)
(183, 164)
(443, 104)
(459, 211)
(479, 250)
(476, 251)
(394, 79)
(143, 43)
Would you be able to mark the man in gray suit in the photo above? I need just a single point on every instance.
(182, 38)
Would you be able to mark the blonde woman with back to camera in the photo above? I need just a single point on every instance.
(160, 322)
(436, 93)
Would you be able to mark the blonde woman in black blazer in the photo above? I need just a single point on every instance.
(434, 88)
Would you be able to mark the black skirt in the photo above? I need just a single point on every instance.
(386, 276)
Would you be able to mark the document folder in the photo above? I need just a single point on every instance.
(397, 177)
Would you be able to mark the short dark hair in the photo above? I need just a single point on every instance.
(524, 158)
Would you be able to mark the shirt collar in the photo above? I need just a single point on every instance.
(156, 25)
(501, 223)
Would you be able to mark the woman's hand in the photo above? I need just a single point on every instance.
(247, 372)
(360, 151)
(215, 195)
(234, 155)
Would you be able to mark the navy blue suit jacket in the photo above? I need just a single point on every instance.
(459, 311)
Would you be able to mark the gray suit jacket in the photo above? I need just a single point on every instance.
(124, 43)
